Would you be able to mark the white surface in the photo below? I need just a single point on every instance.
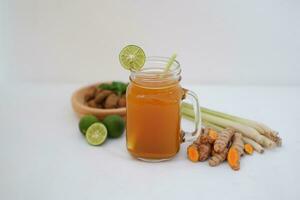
(43, 155)
(231, 42)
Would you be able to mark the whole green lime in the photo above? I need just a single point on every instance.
(115, 125)
(85, 122)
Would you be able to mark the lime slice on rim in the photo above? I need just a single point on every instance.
(96, 134)
(132, 57)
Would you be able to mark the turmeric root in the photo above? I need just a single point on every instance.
(213, 135)
(217, 158)
(223, 139)
(202, 139)
(233, 158)
(257, 147)
(238, 143)
(193, 152)
(235, 152)
(248, 148)
(203, 148)
(204, 151)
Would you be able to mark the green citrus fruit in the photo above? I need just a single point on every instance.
(85, 122)
(132, 57)
(96, 134)
(115, 125)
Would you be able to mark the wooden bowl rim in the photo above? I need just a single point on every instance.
(89, 109)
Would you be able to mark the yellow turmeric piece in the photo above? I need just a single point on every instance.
(200, 150)
(233, 158)
(235, 152)
(193, 153)
(248, 149)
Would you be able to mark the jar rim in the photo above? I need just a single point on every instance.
(154, 70)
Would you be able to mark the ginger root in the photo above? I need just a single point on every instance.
(223, 140)
(248, 148)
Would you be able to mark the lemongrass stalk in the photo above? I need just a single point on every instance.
(257, 147)
(187, 116)
(260, 127)
(213, 126)
(245, 130)
(186, 105)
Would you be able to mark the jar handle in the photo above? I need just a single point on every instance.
(192, 96)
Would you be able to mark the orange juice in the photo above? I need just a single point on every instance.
(153, 119)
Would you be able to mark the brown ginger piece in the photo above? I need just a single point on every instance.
(102, 95)
(235, 152)
(122, 101)
(218, 158)
(223, 139)
(111, 101)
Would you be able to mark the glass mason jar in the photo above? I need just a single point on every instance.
(153, 98)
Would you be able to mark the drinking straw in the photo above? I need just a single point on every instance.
(170, 62)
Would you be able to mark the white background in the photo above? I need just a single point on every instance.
(217, 42)
(241, 57)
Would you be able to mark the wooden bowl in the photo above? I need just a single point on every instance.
(81, 108)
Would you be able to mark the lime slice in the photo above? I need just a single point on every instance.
(96, 134)
(132, 57)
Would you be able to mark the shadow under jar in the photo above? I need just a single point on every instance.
(153, 130)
